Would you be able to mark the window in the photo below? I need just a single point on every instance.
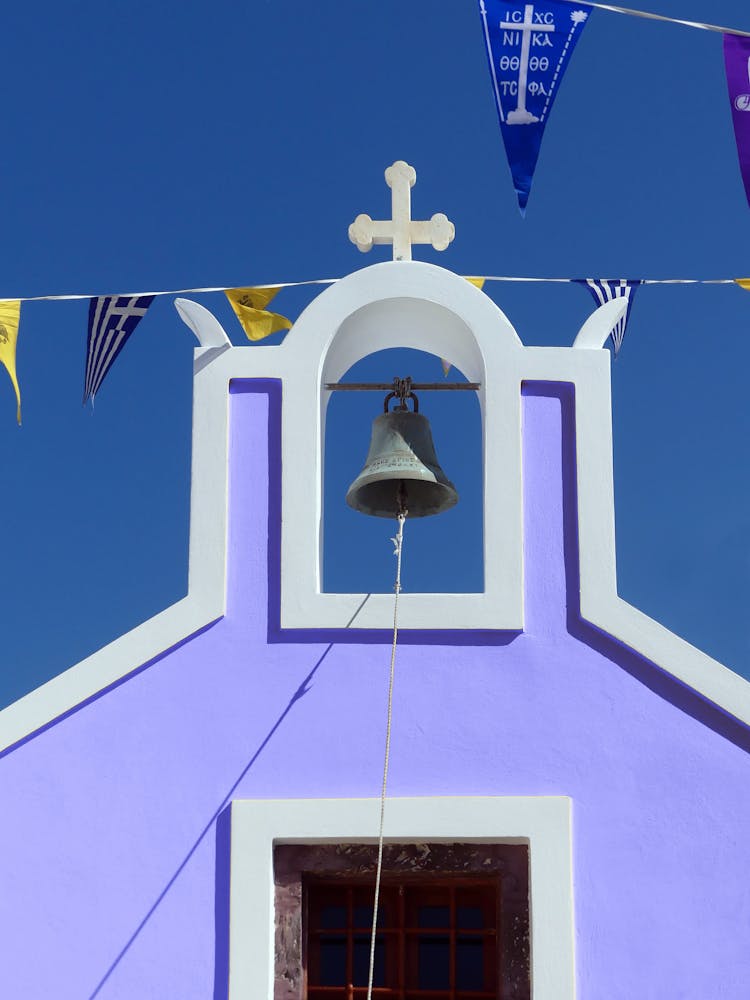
(453, 922)
(274, 842)
(432, 935)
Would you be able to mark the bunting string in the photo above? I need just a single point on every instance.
(649, 16)
(112, 319)
(81, 297)
(528, 51)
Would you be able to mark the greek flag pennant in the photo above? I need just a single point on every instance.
(111, 321)
(529, 46)
(605, 291)
(737, 66)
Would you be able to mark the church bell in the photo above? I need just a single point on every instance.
(401, 472)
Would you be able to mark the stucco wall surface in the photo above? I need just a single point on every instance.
(114, 879)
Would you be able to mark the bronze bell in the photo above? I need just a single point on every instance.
(401, 471)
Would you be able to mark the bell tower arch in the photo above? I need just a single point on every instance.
(424, 307)
(407, 304)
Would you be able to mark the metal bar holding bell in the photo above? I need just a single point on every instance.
(388, 386)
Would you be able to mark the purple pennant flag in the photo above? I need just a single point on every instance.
(737, 65)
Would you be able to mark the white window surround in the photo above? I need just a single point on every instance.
(542, 822)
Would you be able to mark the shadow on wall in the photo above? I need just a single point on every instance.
(221, 818)
(643, 670)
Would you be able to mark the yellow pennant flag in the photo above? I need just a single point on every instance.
(743, 283)
(478, 283)
(249, 305)
(10, 315)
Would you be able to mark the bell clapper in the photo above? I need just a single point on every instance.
(398, 541)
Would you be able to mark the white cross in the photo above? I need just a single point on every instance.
(527, 28)
(400, 230)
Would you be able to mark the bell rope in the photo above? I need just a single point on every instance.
(398, 542)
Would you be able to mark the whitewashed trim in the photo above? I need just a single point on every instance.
(99, 671)
(420, 306)
(544, 822)
(204, 604)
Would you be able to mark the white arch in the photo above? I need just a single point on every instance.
(424, 307)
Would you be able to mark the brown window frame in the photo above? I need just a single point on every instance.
(297, 865)
(399, 929)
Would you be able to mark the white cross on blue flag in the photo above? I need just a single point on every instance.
(606, 291)
(529, 46)
(111, 321)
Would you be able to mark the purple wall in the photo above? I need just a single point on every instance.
(115, 878)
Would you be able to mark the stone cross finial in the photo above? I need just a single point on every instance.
(400, 230)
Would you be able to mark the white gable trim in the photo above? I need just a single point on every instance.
(544, 822)
(204, 603)
(473, 333)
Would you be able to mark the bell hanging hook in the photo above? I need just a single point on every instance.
(402, 390)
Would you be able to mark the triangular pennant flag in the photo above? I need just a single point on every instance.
(111, 321)
(743, 283)
(250, 304)
(477, 283)
(10, 316)
(529, 46)
(605, 291)
(737, 67)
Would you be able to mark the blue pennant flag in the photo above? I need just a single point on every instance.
(606, 291)
(111, 321)
(528, 45)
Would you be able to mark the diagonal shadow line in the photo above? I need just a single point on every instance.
(298, 694)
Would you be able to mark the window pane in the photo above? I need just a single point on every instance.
(333, 917)
(475, 909)
(362, 917)
(470, 963)
(433, 963)
(433, 916)
(332, 961)
(363, 901)
(469, 918)
(437, 938)
(428, 906)
(362, 961)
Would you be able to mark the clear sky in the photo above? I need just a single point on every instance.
(165, 146)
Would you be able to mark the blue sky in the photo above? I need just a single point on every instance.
(160, 146)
